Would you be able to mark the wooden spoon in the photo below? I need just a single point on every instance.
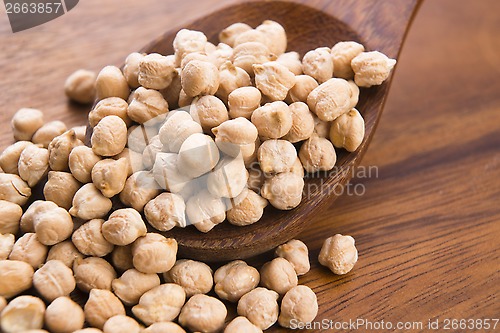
(378, 25)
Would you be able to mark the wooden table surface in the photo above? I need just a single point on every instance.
(428, 225)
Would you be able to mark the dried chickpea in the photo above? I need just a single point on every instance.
(248, 208)
(318, 63)
(184, 100)
(339, 254)
(121, 257)
(111, 106)
(199, 78)
(65, 252)
(228, 178)
(202, 56)
(120, 324)
(178, 126)
(133, 158)
(33, 164)
(291, 60)
(102, 305)
(348, 131)
(317, 154)
(47, 132)
(133, 284)
(110, 82)
(297, 254)
(371, 68)
(10, 217)
(80, 132)
(93, 273)
(231, 78)
(166, 211)
(54, 279)
(298, 168)
(171, 93)
(253, 36)
(123, 227)
(60, 188)
(276, 36)
(140, 188)
(220, 55)
(284, 191)
(303, 86)
(273, 80)
(154, 253)
(203, 313)
(302, 123)
(80, 86)
(156, 71)
(9, 158)
(147, 105)
(342, 55)
(198, 155)
(260, 306)
(25, 123)
(243, 102)
(205, 211)
(241, 325)
(209, 112)
(332, 98)
(321, 128)
(163, 327)
(188, 41)
(160, 304)
(28, 218)
(194, 276)
(247, 54)
(167, 174)
(89, 239)
(139, 137)
(229, 34)
(273, 120)
(109, 137)
(6, 244)
(15, 277)
(278, 275)
(131, 69)
(299, 305)
(276, 156)
(152, 149)
(81, 161)
(29, 249)
(89, 203)
(235, 279)
(23, 313)
(64, 316)
(13, 189)
(52, 223)
(232, 135)
(109, 176)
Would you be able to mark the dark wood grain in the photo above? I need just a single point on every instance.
(427, 228)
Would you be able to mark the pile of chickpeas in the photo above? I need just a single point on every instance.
(212, 133)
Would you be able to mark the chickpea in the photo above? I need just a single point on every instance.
(13, 189)
(15, 277)
(93, 273)
(235, 279)
(243, 102)
(102, 305)
(80, 86)
(3, 303)
(198, 155)
(166, 211)
(276, 156)
(123, 227)
(134, 160)
(188, 41)
(209, 112)
(29, 249)
(28, 218)
(303, 86)
(109, 137)
(9, 158)
(194, 276)
(332, 98)
(342, 55)
(278, 275)
(120, 324)
(156, 71)
(33, 164)
(284, 191)
(167, 174)
(89, 203)
(371, 68)
(65, 252)
(241, 325)
(260, 306)
(6, 244)
(321, 128)
(147, 105)
(202, 56)
(273, 120)
(54, 279)
(297, 254)
(203, 313)
(131, 69)
(184, 100)
(276, 36)
(253, 36)
(60, 188)
(245, 55)
(10, 217)
(348, 130)
(162, 327)
(111, 106)
(110, 82)
(25, 123)
(121, 257)
(81, 161)
(229, 34)
(199, 78)
(64, 316)
(171, 93)
(154, 253)
(152, 149)
(248, 208)
(273, 80)
(177, 128)
(229, 178)
(317, 154)
(23, 313)
(89, 239)
(232, 135)
(291, 60)
(140, 188)
(298, 168)
(205, 211)
(53, 224)
(231, 78)
(160, 304)
(302, 123)
(140, 136)
(80, 132)
(339, 254)
(318, 63)
(47, 132)
(299, 305)
(133, 284)
(109, 176)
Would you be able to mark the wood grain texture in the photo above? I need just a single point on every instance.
(427, 228)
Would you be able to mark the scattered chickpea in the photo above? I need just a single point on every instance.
(111, 106)
(342, 55)
(194, 276)
(278, 275)
(54, 279)
(348, 130)
(29, 249)
(140, 188)
(93, 273)
(273, 80)
(318, 63)
(9, 158)
(163, 327)
(284, 191)
(147, 105)
(10, 217)
(121, 257)
(302, 123)
(110, 82)
(131, 69)
(80, 86)
(139, 137)
(102, 305)
(166, 211)
(109, 137)
(205, 211)
(64, 316)
(229, 34)
(203, 313)
(297, 254)
(291, 60)
(260, 306)
(15, 277)
(81, 161)
(248, 208)
(198, 155)
(231, 78)
(156, 71)
(120, 324)
(89, 239)
(371, 68)
(89, 203)
(276, 156)
(243, 102)
(199, 78)
(304, 84)
(133, 284)
(178, 126)
(13, 189)
(25, 123)
(154, 253)
(247, 54)
(33, 164)
(160, 304)
(188, 41)
(209, 112)
(235, 279)
(339, 254)
(273, 120)
(65, 252)
(45, 134)
(109, 176)
(23, 313)
(332, 98)
(60, 188)
(167, 174)
(299, 305)
(6, 244)
(123, 227)
(317, 154)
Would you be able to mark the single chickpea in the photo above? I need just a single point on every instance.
(81, 160)
(52, 224)
(102, 305)
(228, 178)
(89, 203)
(109, 137)
(209, 112)
(332, 98)
(131, 69)
(123, 227)
(276, 36)
(299, 305)
(348, 131)
(276, 156)
(121, 257)
(93, 273)
(303, 86)
(15, 277)
(260, 307)
(273, 120)
(10, 217)
(339, 254)
(203, 313)
(60, 188)
(284, 191)
(133, 284)
(248, 208)
(162, 327)
(278, 275)
(134, 160)
(6, 244)
(111, 106)
(232, 135)
(220, 55)
(154, 253)
(199, 78)
(154, 147)
(47, 132)
(198, 155)
(13, 189)
(235, 279)
(25, 123)
(273, 80)
(297, 254)
(253, 36)
(188, 41)
(9, 158)
(318, 63)
(243, 102)
(194, 276)
(80, 86)
(120, 324)
(54, 279)
(171, 93)
(33, 164)
(156, 71)
(317, 154)
(166, 211)
(110, 82)
(291, 60)
(205, 211)
(241, 324)
(231, 78)
(321, 128)
(160, 304)
(167, 174)
(302, 123)
(89, 239)
(139, 137)
(178, 126)
(147, 105)
(109, 176)
(29, 249)
(342, 55)
(23, 313)
(229, 34)
(247, 54)
(65, 252)
(371, 68)
(140, 188)
(64, 316)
